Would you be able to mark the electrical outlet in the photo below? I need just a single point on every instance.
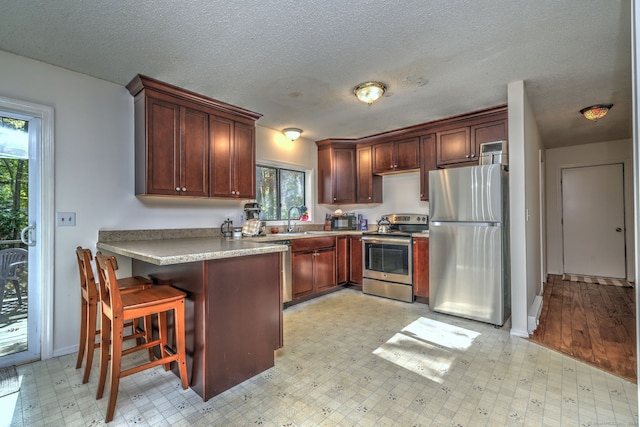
(66, 219)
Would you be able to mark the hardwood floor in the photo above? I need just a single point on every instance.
(590, 322)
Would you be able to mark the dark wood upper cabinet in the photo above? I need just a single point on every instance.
(191, 145)
(454, 146)
(449, 142)
(175, 162)
(194, 152)
(488, 132)
(427, 163)
(368, 185)
(395, 156)
(408, 154)
(233, 164)
(461, 145)
(336, 172)
(158, 161)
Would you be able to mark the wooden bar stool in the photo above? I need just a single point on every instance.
(118, 308)
(89, 309)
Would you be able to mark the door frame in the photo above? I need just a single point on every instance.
(45, 217)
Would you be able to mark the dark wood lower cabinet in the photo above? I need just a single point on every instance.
(313, 266)
(421, 269)
(233, 317)
(355, 260)
(342, 259)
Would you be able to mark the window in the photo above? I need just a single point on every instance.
(277, 190)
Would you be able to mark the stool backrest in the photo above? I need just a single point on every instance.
(87, 279)
(108, 283)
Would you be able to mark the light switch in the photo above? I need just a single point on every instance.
(66, 219)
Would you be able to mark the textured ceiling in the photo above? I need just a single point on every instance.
(296, 61)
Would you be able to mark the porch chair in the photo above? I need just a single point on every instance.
(118, 308)
(10, 260)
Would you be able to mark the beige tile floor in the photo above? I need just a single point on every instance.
(354, 360)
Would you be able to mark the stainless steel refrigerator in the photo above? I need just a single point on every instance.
(469, 268)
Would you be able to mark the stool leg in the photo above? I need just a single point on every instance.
(116, 363)
(180, 338)
(92, 314)
(83, 331)
(162, 332)
(148, 333)
(105, 347)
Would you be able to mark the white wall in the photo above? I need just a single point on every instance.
(524, 192)
(620, 151)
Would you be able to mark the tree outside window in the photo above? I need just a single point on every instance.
(277, 190)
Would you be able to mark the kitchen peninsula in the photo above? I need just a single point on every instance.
(233, 313)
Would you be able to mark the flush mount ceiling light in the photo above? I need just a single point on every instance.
(596, 112)
(292, 133)
(369, 92)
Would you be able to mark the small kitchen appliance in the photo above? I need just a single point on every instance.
(226, 229)
(343, 222)
(252, 210)
(492, 153)
(387, 256)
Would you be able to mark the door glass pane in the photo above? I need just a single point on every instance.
(14, 190)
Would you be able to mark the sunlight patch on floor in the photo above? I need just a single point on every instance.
(427, 347)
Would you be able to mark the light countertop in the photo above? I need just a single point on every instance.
(178, 251)
(165, 247)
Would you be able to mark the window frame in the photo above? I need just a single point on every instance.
(307, 188)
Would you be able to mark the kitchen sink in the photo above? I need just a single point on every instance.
(299, 233)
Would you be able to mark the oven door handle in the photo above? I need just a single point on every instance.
(392, 240)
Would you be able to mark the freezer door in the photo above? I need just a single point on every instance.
(467, 277)
(472, 193)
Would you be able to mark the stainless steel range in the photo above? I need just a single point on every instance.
(387, 256)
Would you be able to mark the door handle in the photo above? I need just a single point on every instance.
(26, 235)
(618, 229)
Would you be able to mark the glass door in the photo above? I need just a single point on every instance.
(19, 337)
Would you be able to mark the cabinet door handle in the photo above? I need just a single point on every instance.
(467, 156)
(334, 199)
(177, 188)
(184, 189)
(473, 155)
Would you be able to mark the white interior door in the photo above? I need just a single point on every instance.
(593, 223)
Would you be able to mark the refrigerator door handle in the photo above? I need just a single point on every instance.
(466, 223)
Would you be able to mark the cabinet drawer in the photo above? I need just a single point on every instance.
(313, 243)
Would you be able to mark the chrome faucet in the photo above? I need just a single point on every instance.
(289, 228)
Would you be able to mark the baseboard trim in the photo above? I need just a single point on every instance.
(533, 318)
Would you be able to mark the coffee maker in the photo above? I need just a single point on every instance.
(252, 210)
